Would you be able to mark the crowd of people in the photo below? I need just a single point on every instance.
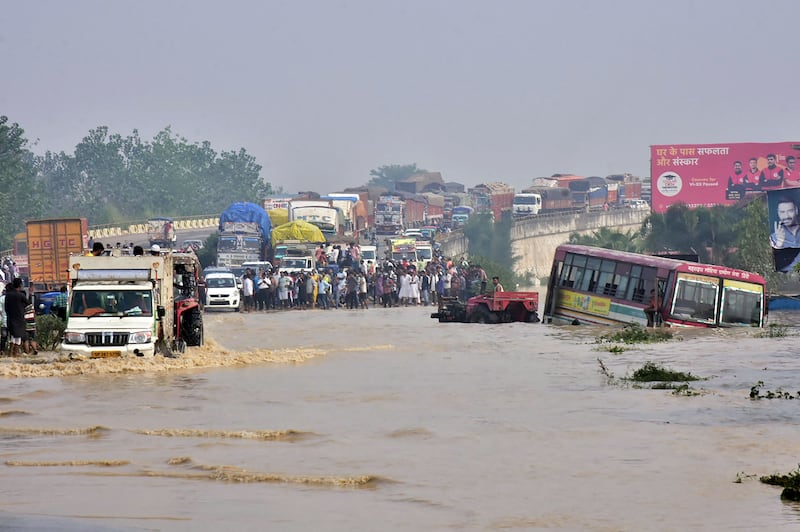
(345, 282)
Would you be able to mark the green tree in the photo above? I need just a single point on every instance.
(385, 176)
(20, 188)
(609, 239)
(116, 179)
(490, 246)
(752, 250)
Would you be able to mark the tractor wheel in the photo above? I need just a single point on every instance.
(482, 315)
(192, 327)
(532, 317)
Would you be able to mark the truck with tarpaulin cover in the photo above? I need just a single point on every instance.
(244, 235)
(133, 306)
(295, 239)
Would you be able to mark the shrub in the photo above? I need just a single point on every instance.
(633, 333)
(49, 331)
(652, 372)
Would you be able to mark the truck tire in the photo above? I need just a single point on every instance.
(532, 317)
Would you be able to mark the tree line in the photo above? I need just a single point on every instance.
(111, 178)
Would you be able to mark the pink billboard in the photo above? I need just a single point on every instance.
(703, 175)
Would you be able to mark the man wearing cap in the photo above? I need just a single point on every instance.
(155, 250)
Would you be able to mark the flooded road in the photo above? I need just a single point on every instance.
(386, 419)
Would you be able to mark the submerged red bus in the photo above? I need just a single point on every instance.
(607, 287)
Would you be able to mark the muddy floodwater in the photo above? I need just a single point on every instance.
(386, 419)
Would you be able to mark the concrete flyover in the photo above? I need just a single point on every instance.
(535, 239)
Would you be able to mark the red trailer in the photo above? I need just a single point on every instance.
(416, 207)
(497, 198)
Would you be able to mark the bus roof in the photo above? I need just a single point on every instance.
(661, 262)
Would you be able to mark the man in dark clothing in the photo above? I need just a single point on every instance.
(15, 311)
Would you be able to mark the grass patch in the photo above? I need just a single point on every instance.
(658, 378)
(616, 349)
(652, 372)
(790, 483)
(633, 333)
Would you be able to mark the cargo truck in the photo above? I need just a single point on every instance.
(132, 306)
(50, 244)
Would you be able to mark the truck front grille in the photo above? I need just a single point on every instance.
(107, 338)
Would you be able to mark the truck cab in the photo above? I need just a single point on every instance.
(296, 264)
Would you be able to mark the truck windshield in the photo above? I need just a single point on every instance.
(88, 303)
(251, 244)
(293, 263)
(227, 243)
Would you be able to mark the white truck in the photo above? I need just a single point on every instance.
(132, 306)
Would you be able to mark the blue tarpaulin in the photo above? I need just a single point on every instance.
(248, 212)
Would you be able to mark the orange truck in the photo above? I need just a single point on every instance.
(50, 244)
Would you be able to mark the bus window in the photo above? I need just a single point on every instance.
(590, 275)
(605, 284)
(741, 303)
(696, 298)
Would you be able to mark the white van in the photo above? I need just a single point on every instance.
(221, 289)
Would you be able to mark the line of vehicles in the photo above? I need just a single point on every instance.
(562, 192)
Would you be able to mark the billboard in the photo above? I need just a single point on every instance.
(783, 206)
(703, 175)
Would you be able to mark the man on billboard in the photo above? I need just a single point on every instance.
(772, 175)
(791, 177)
(785, 238)
(736, 186)
(752, 178)
(787, 228)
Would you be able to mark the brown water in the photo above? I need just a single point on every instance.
(388, 420)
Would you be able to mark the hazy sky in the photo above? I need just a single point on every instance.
(320, 92)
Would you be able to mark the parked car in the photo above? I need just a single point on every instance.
(222, 290)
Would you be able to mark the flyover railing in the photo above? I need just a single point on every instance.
(98, 232)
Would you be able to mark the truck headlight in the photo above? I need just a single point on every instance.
(74, 337)
(141, 337)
